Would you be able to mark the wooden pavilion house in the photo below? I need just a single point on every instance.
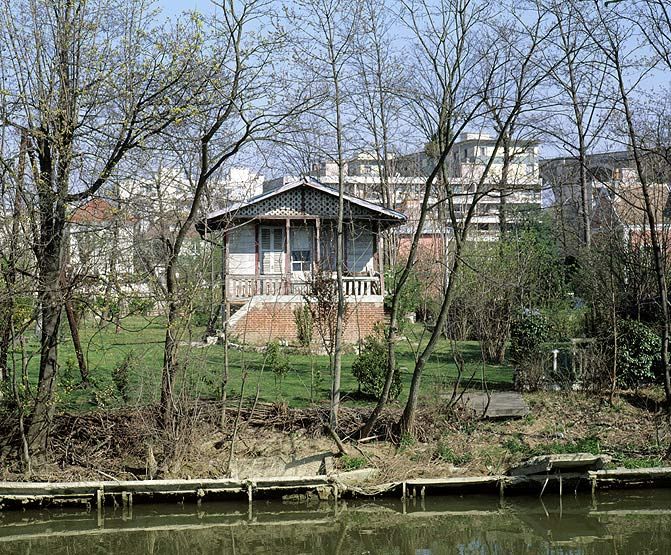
(275, 242)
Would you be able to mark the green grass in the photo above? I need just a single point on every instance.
(632, 462)
(585, 445)
(348, 463)
(202, 368)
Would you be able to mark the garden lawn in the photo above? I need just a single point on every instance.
(138, 346)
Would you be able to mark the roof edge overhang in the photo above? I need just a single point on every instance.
(221, 219)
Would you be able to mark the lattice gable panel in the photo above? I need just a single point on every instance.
(302, 202)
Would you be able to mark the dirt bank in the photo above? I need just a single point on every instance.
(273, 440)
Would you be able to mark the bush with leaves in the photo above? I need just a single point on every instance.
(414, 297)
(276, 361)
(370, 368)
(528, 332)
(121, 375)
(142, 306)
(638, 348)
(303, 321)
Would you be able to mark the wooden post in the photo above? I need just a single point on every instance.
(380, 258)
(100, 500)
(287, 256)
(318, 257)
(257, 260)
(225, 307)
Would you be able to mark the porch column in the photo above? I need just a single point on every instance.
(287, 257)
(318, 255)
(380, 256)
(257, 260)
(225, 307)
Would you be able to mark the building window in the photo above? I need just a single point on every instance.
(301, 249)
(301, 260)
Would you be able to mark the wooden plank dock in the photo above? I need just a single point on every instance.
(498, 404)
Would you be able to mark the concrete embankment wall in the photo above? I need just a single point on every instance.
(125, 493)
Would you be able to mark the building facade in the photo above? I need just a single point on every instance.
(277, 243)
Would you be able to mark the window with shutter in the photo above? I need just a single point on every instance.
(271, 241)
(301, 249)
(327, 247)
(359, 250)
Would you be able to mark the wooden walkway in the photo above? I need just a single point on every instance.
(499, 404)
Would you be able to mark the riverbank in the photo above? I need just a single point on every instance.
(275, 441)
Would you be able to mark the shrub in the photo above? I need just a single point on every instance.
(140, 305)
(637, 350)
(527, 334)
(303, 320)
(276, 361)
(370, 368)
(412, 298)
(201, 316)
(121, 375)
(68, 376)
(348, 463)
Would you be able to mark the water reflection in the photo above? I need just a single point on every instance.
(623, 523)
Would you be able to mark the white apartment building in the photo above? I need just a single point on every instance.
(510, 188)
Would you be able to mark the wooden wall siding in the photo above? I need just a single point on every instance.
(243, 257)
(301, 202)
(241, 250)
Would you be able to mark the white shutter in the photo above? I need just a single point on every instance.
(272, 246)
(278, 249)
(266, 247)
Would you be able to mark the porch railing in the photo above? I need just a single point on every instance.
(241, 287)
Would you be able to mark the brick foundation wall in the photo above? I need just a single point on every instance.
(274, 320)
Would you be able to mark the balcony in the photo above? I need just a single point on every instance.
(244, 287)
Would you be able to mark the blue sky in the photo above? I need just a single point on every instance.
(172, 7)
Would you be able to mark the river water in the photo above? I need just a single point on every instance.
(613, 522)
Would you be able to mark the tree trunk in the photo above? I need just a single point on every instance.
(167, 407)
(76, 342)
(43, 410)
(659, 256)
(407, 422)
(340, 248)
(52, 228)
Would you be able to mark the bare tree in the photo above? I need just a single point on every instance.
(455, 90)
(445, 101)
(326, 48)
(618, 44)
(378, 83)
(579, 109)
(88, 84)
(250, 102)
